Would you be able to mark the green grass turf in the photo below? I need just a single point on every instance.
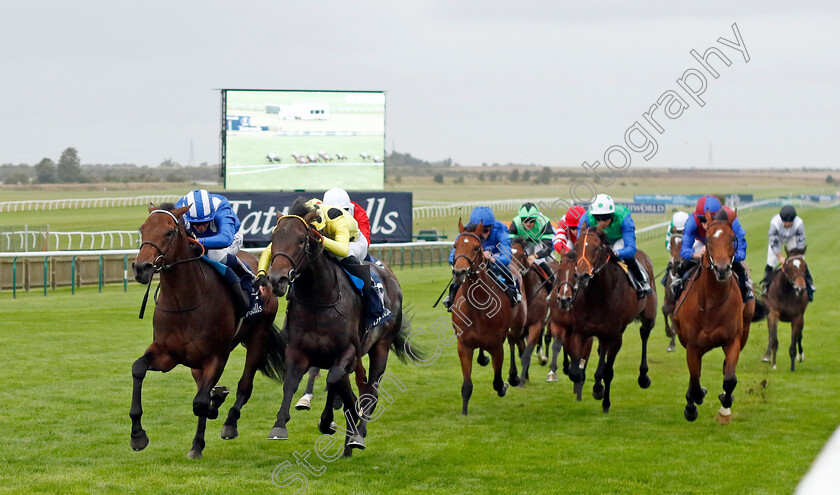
(66, 390)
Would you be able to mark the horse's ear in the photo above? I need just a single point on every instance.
(178, 212)
(708, 215)
(803, 249)
(733, 216)
(460, 226)
(279, 214)
(786, 252)
(152, 207)
(479, 228)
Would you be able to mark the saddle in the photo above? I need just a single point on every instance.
(369, 285)
(239, 280)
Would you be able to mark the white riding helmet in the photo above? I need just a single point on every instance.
(338, 197)
(679, 220)
(602, 205)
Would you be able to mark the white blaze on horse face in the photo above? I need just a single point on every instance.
(466, 241)
(796, 263)
(718, 233)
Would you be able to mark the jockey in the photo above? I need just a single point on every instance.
(496, 245)
(677, 227)
(339, 197)
(564, 239)
(536, 229)
(616, 222)
(212, 221)
(342, 237)
(786, 229)
(694, 245)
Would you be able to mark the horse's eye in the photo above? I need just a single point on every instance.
(301, 240)
(171, 233)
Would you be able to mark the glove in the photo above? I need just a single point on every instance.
(262, 279)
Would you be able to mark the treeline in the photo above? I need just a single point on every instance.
(69, 170)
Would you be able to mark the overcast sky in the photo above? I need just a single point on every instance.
(478, 81)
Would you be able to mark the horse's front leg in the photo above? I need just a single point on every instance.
(733, 351)
(296, 366)
(534, 336)
(151, 360)
(513, 375)
(608, 356)
(253, 357)
(796, 326)
(772, 338)
(644, 333)
(598, 386)
(205, 379)
(342, 367)
(556, 344)
(465, 354)
(696, 393)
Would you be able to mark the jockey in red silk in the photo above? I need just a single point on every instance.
(567, 228)
(694, 245)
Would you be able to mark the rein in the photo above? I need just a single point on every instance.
(583, 255)
(470, 271)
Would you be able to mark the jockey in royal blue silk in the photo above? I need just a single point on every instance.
(616, 222)
(495, 241)
(694, 245)
(213, 223)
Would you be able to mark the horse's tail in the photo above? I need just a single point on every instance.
(274, 364)
(405, 350)
(761, 311)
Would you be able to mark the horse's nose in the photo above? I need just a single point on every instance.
(279, 284)
(458, 275)
(143, 271)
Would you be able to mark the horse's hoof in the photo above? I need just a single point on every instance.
(483, 360)
(356, 442)
(338, 403)
(598, 391)
(690, 413)
(220, 392)
(606, 409)
(671, 348)
(522, 383)
(513, 380)
(278, 433)
(552, 377)
(766, 358)
(305, 403)
(140, 441)
(229, 432)
(194, 454)
(774, 366)
(705, 391)
(800, 357)
(644, 381)
(502, 392)
(326, 429)
(724, 415)
(543, 360)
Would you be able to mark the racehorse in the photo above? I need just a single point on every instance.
(481, 312)
(710, 313)
(787, 300)
(605, 304)
(195, 325)
(324, 320)
(535, 292)
(670, 298)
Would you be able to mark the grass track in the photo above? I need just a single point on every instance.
(67, 387)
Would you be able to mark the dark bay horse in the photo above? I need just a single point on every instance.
(787, 300)
(605, 304)
(670, 299)
(194, 325)
(710, 313)
(535, 291)
(481, 312)
(324, 321)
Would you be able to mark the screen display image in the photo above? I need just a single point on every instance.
(287, 140)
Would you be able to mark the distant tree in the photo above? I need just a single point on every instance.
(494, 176)
(514, 175)
(544, 177)
(17, 178)
(169, 162)
(69, 167)
(46, 172)
(482, 176)
(830, 179)
(203, 164)
(526, 175)
(459, 180)
(439, 178)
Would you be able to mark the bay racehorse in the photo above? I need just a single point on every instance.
(481, 312)
(787, 300)
(324, 321)
(605, 304)
(669, 300)
(711, 313)
(536, 287)
(195, 325)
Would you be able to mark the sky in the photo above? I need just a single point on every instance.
(543, 82)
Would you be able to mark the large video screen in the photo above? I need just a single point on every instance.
(287, 140)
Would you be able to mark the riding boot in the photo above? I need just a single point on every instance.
(677, 283)
(765, 284)
(665, 276)
(642, 286)
(744, 281)
(450, 298)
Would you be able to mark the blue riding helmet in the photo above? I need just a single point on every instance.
(203, 205)
(482, 214)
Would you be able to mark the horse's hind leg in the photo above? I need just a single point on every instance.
(696, 393)
(497, 355)
(773, 338)
(151, 360)
(534, 336)
(556, 345)
(253, 357)
(733, 351)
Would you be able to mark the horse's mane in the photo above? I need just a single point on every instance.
(570, 256)
(166, 206)
(299, 207)
(470, 227)
(796, 252)
(518, 240)
(721, 214)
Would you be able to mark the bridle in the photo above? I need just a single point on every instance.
(308, 254)
(708, 255)
(788, 277)
(600, 267)
(160, 263)
(471, 261)
(566, 282)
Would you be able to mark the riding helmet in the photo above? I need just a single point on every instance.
(788, 213)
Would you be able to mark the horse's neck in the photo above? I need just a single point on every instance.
(712, 289)
(320, 274)
(184, 280)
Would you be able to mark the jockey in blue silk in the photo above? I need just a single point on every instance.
(694, 245)
(213, 222)
(616, 222)
(496, 245)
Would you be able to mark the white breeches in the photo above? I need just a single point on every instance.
(771, 256)
(221, 253)
(359, 247)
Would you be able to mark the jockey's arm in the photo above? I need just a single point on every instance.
(340, 243)
(561, 239)
(741, 235)
(223, 237)
(774, 238)
(799, 233)
(628, 234)
(501, 247)
(265, 261)
(689, 235)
